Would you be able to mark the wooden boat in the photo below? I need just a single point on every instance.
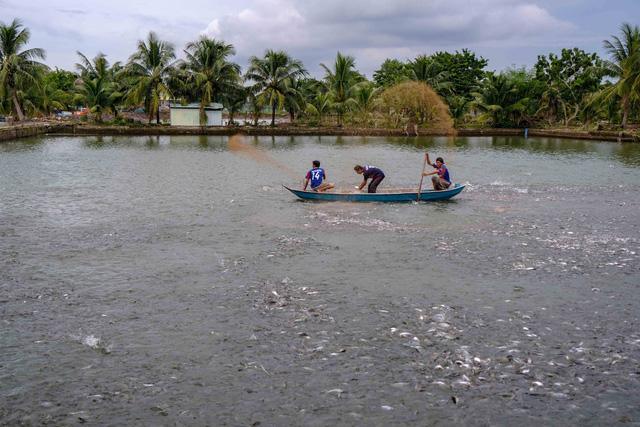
(393, 195)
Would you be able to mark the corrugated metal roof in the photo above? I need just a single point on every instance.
(196, 106)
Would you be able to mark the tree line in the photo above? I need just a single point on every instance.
(572, 88)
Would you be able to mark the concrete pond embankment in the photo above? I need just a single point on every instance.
(8, 133)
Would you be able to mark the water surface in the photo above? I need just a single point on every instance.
(169, 280)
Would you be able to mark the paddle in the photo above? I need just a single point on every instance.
(424, 166)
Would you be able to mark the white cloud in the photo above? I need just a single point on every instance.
(273, 24)
(213, 29)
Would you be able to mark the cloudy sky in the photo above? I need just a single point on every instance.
(506, 32)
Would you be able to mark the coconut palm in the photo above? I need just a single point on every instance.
(150, 66)
(255, 106)
(96, 94)
(18, 66)
(320, 105)
(95, 85)
(364, 96)
(211, 71)
(294, 100)
(341, 81)
(272, 78)
(50, 98)
(425, 69)
(625, 66)
(96, 68)
(180, 83)
(120, 83)
(234, 99)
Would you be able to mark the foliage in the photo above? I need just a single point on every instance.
(150, 66)
(255, 106)
(567, 88)
(568, 79)
(60, 79)
(465, 70)
(341, 81)
(507, 99)
(19, 68)
(458, 107)
(273, 77)
(625, 67)
(432, 72)
(295, 101)
(391, 72)
(210, 74)
(365, 96)
(414, 102)
(234, 99)
(96, 87)
(320, 105)
(60, 85)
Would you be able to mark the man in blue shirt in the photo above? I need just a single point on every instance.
(316, 176)
(368, 171)
(441, 180)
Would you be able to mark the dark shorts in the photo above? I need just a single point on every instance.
(375, 181)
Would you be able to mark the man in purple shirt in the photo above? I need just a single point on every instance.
(441, 180)
(369, 172)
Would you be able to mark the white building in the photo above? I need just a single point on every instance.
(189, 115)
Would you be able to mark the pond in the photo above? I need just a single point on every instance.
(172, 280)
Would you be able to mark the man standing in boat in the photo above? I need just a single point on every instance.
(441, 180)
(369, 172)
(316, 176)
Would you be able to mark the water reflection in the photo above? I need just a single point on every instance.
(628, 153)
(152, 142)
(26, 144)
(544, 145)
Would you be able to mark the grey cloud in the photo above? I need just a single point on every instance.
(314, 30)
(404, 27)
(72, 11)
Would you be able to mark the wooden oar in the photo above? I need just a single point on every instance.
(424, 166)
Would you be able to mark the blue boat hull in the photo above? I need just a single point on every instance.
(389, 197)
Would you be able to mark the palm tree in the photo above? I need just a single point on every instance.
(500, 101)
(294, 100)
(95, 85)
(211, 71)
(364, 96)
(341, 81)
(458, 106)
(234, 99)
(272, 77)
(150, 67)
(625, 67)
(120, 83)
(50, 98)
(18, 67)
(180, 83)
(96, 94)
(98, 68)
(255, 106)
(320, 105)
(425, 69)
